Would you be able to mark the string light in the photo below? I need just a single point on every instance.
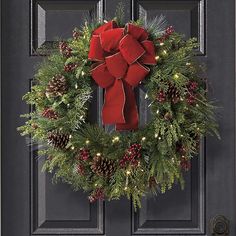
(125, 188)
(161, 44)
(157, 57)
(81, 117)
(157, 111)
(95, 184)
(143, 138)
(188, 64)
(82, 73)
(181, 135)
(128, 172)
(87, 141)
(76, 86)
(72, 148)
(164, 52)
(146, 96)
(176, 76)
(105, 21)
(98, 154)
(159, 138)
(68, 105)
(116, 139)
(70, 136)
(156, 135)
(197, 105)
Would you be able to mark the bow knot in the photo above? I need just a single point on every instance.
(120, 55)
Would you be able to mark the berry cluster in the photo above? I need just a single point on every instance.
(191, 97)
(132, 154)
(84, 154)
(185, 163)
(98, 194)
(50, 114)
(65, 49)
(80, 169)
(70, 67)
(167, 34)
(181, 149)
(161, 96)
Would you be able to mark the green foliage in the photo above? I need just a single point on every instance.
(173, 124)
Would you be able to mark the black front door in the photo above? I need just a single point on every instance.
(32, 205)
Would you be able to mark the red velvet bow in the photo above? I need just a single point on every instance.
(120, 54)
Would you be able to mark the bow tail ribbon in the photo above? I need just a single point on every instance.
(130, 110)
(120, 106)
(119, 101)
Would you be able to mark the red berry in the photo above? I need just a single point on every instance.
(84, 154)
(161, 97)
(70, 67)
(49, 113)
(185, 163)
(98, 194)
(131, 155)
(169, 30)
(192, 85)
(80, 169)
(191, 99)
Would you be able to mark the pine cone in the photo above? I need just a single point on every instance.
(173, 94)
(152, 183)
(58, 140)
(57, 86)
(168, 116)
(103, 167)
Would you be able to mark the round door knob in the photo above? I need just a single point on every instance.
(219, 225)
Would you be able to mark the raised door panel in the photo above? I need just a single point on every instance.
(56, 208)
(176, 211)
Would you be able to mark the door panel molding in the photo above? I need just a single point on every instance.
(48, 23)
(190, 14)
(49, 220)
(144, 221)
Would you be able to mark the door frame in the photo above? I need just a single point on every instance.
(1, 78)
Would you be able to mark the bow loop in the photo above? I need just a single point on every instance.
(130, 49)
(110, 39)
(136, 73)
(116, 65)
(107, 26)
(96, 52)
(102, 76)
(149, 56)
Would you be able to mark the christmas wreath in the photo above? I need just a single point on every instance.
(120, 57)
